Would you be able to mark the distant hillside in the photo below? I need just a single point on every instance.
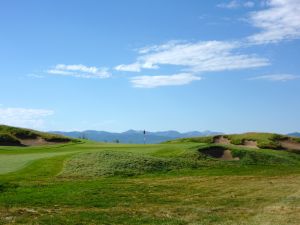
(133, 136)
(249, 140)
(14, 136)
(296, 134)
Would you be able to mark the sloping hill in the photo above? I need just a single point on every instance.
(250, 140)
(14, 136)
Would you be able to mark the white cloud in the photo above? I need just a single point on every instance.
(80, 71)
(276, 77)
(135, 67)
(280, 21)
(236, 4)
(196, 57)
(163, 80)
(22, 117)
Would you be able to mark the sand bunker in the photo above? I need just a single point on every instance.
(225, 141)
(250, 144)
(291, 145)
(219, 153)
(221, 140)
(228, 156)
(36, 142)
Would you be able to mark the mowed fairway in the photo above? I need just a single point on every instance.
(94, 183)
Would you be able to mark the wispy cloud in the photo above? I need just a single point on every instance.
(280, 21)
(163, 80)
(236, 4)
(197, 57)
(23, 117)
(80, 71)
(158, 48)
(276, 77)
(37, 76)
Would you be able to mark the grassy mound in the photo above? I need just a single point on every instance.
(263, 140)
(111, 163)
(12, 136)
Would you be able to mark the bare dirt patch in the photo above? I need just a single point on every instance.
(228, 156)
(291, 145)
(36, 142)
(221, 140)
(250, 144)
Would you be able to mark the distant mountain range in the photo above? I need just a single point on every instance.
(133, 136)
(296, 134)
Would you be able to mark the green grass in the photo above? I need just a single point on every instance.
(96, 183)
(206, 140)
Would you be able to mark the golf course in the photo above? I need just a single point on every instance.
(158, 112)
(205, 180)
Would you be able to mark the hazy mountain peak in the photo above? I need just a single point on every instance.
(134, 136)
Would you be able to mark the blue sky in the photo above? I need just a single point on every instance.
(230, 66)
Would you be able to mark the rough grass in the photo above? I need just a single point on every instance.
(264, 140)
(110, 163)
(113, 163)
(182, 200)
(265, 191)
